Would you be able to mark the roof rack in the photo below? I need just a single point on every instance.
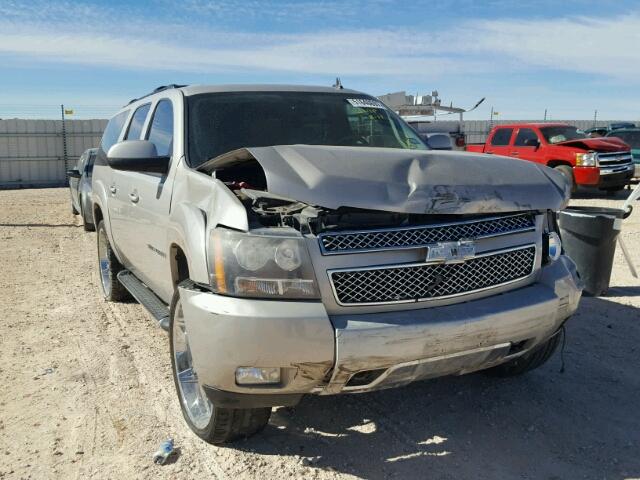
(159, 89)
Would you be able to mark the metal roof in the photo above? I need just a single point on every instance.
(197, 89)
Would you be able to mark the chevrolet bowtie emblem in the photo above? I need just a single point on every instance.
(451, 252)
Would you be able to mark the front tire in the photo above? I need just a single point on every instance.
(613, 190)
(108, 269)
(530, 360)
(212, 424)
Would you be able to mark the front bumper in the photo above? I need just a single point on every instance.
(321, 354)
(603, 177)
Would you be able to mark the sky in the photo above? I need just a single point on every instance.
(567, 56)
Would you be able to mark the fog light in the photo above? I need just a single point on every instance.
(257, 375)
(555, 247)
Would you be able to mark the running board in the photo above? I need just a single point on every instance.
(146, 298)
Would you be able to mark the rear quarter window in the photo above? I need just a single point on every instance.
(502, 137)
(113, 130)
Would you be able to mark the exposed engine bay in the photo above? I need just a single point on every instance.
(317, 188)
(266, 209)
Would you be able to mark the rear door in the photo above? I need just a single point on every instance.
(123, 225)
(523, 146)
(498, 143)
(106, 177)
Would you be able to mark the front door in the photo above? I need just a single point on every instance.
(149, 198)
(499, 142)
(526, 144)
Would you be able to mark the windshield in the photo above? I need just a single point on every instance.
(562, 133)
(222, 122)
(630, 138)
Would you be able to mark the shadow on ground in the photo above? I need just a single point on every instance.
(46, 225)
(594, 193)
(583, 423)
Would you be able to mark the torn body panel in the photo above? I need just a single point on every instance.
(396, 180)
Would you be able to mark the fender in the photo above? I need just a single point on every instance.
(188, 231)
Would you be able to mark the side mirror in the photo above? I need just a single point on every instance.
(74, 173)
(532, 142)
(439, 141)
(137, 156)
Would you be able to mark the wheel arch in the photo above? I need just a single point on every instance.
(179, 265)
(187, 243)
(556, 162)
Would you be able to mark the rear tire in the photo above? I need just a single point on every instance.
(567, 172)
(212, 424)
(529, 361)
(108, 269)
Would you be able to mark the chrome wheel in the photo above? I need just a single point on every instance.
(195, 401)
(103, 262)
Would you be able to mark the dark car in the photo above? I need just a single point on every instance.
(596, 132)
(620, 125)
(80, 186)
(630, 136)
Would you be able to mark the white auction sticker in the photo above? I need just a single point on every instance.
(365, 103)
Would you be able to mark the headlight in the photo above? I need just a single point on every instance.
(260, 264)
(589, 159)
(551, 243)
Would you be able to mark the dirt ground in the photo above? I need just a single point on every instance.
(87, 388)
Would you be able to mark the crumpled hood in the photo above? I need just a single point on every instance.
(404, 181)
(598, 144)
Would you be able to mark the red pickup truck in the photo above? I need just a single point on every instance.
(604, 163)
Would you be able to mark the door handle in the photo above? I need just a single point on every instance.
(113, 189)
(133, 196)
(515, 153)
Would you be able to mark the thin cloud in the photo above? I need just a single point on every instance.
(604, 47)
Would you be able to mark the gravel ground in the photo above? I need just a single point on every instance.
(88, 391)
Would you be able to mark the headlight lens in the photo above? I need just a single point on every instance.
(589, 159)
(260, 264)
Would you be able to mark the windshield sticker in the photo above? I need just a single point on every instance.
(366, 103)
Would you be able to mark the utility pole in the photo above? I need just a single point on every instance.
(545, 114)
(64, 142)
(595, 118)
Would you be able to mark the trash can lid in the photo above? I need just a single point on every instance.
(594, 212)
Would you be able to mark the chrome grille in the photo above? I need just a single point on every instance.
(614, 159)
(409, 283)
(412, 237)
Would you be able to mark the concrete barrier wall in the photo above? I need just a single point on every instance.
(32, 152)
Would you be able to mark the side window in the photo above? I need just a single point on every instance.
(112, 132)
(137, 121)
(501, 137)
(525, 134)
(161, 131)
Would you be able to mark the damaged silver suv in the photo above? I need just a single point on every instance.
(304, 240)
